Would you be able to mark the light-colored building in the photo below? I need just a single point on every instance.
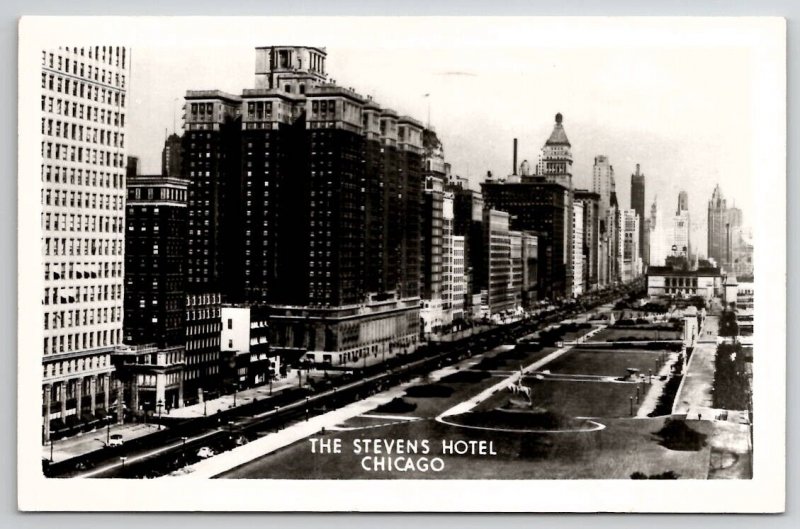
(498, 255)
(663, 281)
(517, 268)
(577, 248)
(631, 261)
(84, 101)
(459, 278)
(244, 344)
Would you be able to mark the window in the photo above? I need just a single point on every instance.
(230, 323)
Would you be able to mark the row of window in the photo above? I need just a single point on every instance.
(65, 85)
(72, 246)
(74, 131)
(81, 294)
(111, 55)
(71, 153)
(81, 341)
(77, 223)
(79, 199)
(76, 365)
(67, 108)
(75, 176)
(67, 319)
(60, 271)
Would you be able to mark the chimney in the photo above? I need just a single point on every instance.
(514, 172)
(637, 169)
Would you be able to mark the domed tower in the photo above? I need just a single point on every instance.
(555, 162)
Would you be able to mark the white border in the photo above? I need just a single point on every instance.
(764, 37)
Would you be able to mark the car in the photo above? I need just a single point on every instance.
(115, 440)
(205, 452)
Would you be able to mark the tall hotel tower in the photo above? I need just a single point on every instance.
(304, 198)
(83, 227)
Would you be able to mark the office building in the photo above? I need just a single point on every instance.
(591, 236)
(150, 364)
(637, 204)
(83, 144)
(577, 249)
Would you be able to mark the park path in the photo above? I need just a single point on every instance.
(694, 395)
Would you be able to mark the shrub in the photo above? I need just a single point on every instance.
(667, 397)
(669, 474)
(677, 435)
(468, 377)
(429, 391)
(397, 405)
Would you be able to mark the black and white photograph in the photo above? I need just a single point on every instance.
(341, 263)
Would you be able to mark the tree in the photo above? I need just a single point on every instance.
(728, 327)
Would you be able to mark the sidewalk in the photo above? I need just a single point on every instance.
(225, 402)
(695, 392)
(90, 441)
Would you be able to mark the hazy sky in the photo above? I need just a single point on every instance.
(683, 113)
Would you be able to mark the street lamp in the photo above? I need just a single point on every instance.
(159, 405)
(230, 429)
(183, 446)
(631, 406)
(108, 433)
(51, 447)
(205, 403)
(123, 459)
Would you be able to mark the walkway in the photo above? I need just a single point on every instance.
(91, 441)
(225, 402)
(695, 391)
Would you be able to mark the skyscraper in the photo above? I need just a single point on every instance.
(591, 236)
(637, 204)
(84, 102)
(151, 364)
(171, 163)
(318, 190)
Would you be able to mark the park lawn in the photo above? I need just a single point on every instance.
(575, 398)
(514, 359)
(610, 334)
(605, 362)
(624, 447)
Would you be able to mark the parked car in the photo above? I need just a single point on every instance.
(205, 452)
(115, 440)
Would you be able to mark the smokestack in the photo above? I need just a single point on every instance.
(637, 169)
(514, 172)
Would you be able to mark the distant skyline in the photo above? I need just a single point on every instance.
(683, 114)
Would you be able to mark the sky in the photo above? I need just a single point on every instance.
(684, 113)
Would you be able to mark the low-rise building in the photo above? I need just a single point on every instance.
(670, 282)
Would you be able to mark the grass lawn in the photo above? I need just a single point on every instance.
(611, 334)
(575, 398)
(604, 362)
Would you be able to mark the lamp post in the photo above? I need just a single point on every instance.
(108, 433)
(123, 459)
(183, 445)
(205, 404)
(631, 406)
(235, 388)
(51, 447)
(159, 405)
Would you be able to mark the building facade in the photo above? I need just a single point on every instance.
(591, 236)
(83, 113)
(637, 204)
(578, 282)
(151, 363)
